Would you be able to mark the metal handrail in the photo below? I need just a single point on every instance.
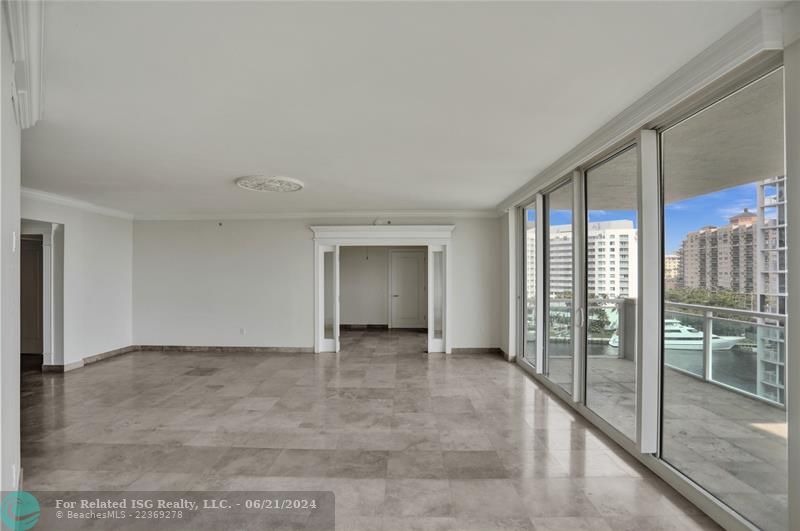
(726, 319)
(569, 299)
(706, 313)
(720, 309)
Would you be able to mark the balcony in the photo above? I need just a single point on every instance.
(726, 390)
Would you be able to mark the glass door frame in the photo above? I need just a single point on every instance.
(537, 364)
(582, 175)
(539, 200)
(649, 308)
(327, 344)
(645, 134)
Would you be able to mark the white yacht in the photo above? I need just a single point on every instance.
(678, 336)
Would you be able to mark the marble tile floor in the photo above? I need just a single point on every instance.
(405, 440)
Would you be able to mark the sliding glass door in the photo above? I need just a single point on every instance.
(655, 294)
(612, 289)
(559, 347)
(725, 275)
(529, 310)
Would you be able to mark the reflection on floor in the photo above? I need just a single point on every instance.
(404, 439)
(734, 446)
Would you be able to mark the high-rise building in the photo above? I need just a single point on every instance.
(530, 263)
(771, 242)
(559, 256)
(612, 265)
(771, 272)
(721, 258)
(673, 270)
(747, 256)
(612, 253)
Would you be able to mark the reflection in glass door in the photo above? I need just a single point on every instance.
(559, 349)
(529, 304)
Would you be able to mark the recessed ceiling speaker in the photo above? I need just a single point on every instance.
(262, 183)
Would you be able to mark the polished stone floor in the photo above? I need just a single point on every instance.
(731, 444)
(405, 440)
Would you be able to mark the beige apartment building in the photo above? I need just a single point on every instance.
(673, 270)
(717, 258)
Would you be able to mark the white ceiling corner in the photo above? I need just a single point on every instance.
(38, 195)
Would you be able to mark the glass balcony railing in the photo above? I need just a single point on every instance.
(739, 349)
(743, 351)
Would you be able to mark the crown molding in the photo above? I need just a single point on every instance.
(377, 215)
(55, 199)
(353, 234)
(761, 32)
(25, 21)
(380, 217)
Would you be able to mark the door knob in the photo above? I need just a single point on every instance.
(395, 295)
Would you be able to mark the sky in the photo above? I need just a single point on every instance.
(681, 217)
(715, 208)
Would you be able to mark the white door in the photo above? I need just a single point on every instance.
(407, 289)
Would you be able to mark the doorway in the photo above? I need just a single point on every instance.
(31, 302)
(382, 287)
(418, 273)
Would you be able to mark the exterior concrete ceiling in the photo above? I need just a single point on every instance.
(738, 140)
(155, 108)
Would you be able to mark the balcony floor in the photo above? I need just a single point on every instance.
(733, 445)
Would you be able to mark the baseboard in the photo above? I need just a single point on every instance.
(254, 350)
(478, 350)
(364, 327)
(508, 357)
(63, 368)
(110, 354)
(166, 348)
(88, 360)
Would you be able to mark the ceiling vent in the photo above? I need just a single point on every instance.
(261, 183)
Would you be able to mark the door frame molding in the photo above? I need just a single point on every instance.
(438, 237)
(47, 231)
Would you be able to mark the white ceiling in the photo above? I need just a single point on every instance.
(154, 108)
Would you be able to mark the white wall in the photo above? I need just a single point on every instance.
(97, 277)
(199, 283)
(364, 285)
(475, 312)
(9, 272)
